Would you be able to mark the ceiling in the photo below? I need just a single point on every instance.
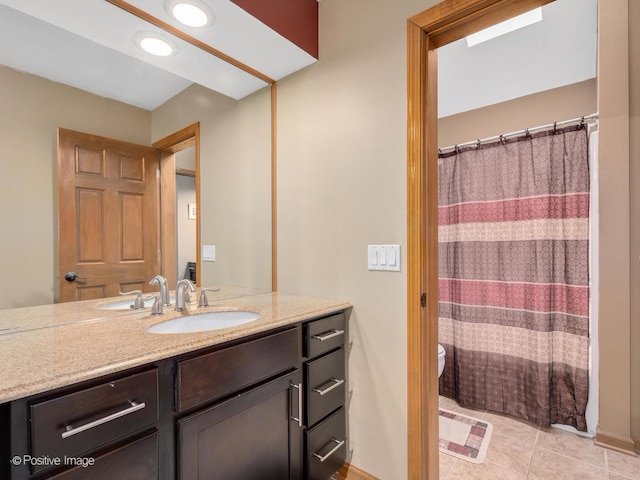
(89, 44)
(560, 50)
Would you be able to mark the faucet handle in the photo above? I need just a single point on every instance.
(156, 308)
(138, 303)
(204, 301)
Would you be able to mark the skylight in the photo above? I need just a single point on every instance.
(505, 27)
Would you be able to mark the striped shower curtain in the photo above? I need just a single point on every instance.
(514, 276)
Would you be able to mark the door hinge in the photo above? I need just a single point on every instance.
(423, 299)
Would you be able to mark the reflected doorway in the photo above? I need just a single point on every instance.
(186, 213)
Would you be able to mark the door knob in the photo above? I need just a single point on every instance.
(73, 276)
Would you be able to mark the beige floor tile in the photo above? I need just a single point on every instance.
(523, 432)
(572, 445)
(446, 464)
(546, 465)
(463, 470)
(505, 452)
(624, 465)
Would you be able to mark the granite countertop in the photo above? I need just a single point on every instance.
(51, 346)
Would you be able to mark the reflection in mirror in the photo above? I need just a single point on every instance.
(186, 213)
(234, 172)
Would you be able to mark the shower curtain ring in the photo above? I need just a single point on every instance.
(555, 127)
(478, 144)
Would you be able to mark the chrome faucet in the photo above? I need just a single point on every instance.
(164, 289)
(181, 293)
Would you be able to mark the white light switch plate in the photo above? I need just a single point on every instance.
(384, 257)
(208, 253)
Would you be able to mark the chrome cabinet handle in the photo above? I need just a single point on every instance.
(298, 418)
(338, 443)
(74, 430)
(328, 335)
(335, 384)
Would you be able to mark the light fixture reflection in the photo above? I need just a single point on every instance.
(507, 26)
(190, 15)
(156, 46)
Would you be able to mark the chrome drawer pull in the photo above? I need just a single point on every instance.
(299, 417)
(328, 335)
(133, 408)
(336, 383)
(331, 452)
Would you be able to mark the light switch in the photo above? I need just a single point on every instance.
(208, 253)
(391, 257)
(384, 257)
(373, 256)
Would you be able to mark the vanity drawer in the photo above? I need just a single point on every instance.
(325, 384)
(79, 422)
(217, 374)
(326, 447)
(138, 459)
(324, 335)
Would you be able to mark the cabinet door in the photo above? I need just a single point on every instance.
(254, 436)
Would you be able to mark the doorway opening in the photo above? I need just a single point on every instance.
(426, 32)
(183, 144)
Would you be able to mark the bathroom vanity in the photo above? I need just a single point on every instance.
(264, 400)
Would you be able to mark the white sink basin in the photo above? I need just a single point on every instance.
(201, 322)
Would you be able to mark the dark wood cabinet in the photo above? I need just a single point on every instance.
(136, 460)
(325, 396)
(251, 436)
(80, 422)
(267, 407)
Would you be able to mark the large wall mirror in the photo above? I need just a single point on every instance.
(235, 153)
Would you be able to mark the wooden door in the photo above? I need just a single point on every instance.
(109, 215)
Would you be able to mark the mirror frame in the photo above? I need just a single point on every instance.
(439, 25)
(272, 83)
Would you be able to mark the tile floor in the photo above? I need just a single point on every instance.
(519, 451)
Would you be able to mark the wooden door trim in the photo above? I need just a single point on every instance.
(169, 145)
(444, 23)
(274, 187)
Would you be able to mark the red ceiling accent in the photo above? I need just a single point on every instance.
(296, 20)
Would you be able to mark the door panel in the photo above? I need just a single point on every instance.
(108, 215)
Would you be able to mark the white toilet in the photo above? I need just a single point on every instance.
(441, 354)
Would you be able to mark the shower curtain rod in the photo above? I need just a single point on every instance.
(583, 119)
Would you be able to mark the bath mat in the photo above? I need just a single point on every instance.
(464, 437)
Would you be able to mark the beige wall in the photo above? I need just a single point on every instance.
(342, 186)
(614, 227)
(235, 176)
(542, 108)
(32, 110)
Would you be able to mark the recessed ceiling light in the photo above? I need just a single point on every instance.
(507, 26)
(190, 15)
(155, 44)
